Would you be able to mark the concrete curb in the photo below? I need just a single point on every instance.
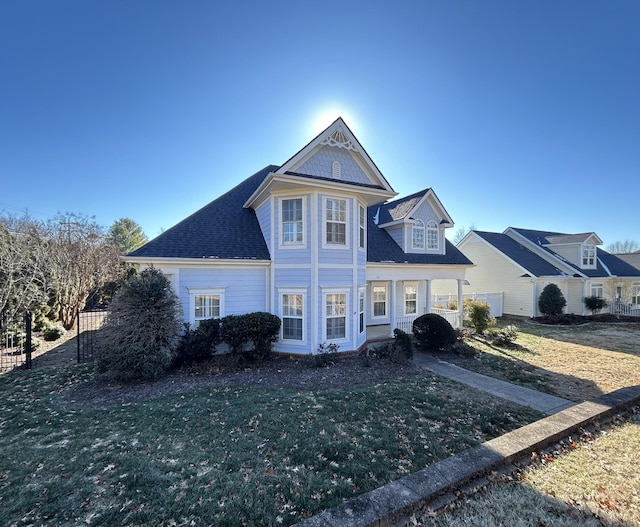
(387, 505)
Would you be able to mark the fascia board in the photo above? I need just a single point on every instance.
(196, 262)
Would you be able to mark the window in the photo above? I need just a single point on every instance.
(362, 223)
(292, 323)
(597, 290)
(417, 235)
(588, 256)
(433, 236)
(206, 306)
(361, 304)
(335, 313)
(336, 221)
(635, 293)
(379, 301)
(292, 230)
(336, 170)
(410, 299)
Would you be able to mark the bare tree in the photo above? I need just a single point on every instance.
(82, 260)
(461, 233)
(627, 246)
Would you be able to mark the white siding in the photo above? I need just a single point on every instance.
(571, 253)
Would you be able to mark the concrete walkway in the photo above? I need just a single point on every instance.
(545, 403)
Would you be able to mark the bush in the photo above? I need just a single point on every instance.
(433, 332)
(403, 342)
(141, 332)
(327, 355)
(51, 333)
(199, 343)
(594, 304)
(259, 329)
(505, 336)
(460, 347)
(479, 315)
(551, 301)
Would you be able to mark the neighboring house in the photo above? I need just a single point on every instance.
(521, 262)
(316, 242)
(631, 258)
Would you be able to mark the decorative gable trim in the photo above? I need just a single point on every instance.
(338, 135)
(430, 195)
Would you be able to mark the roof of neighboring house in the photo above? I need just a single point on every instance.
(533, 263)
(398, 209)
(222, 229)
(607, 264)
(631, 258)
(381, 247)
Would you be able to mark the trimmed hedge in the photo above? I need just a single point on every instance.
(433, 332)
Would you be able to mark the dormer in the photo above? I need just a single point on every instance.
(579, 249)
(417, 223)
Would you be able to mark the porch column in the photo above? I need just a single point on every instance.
(428, 299)
(460, 299)
(393, 321)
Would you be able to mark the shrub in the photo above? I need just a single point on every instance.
(460, 347)
(551, 301)
(505, 336)
(51, 333)
(326, 355)
(594, 304)
(141, 332)
(259, 329)
(479, 315)
(199, 343)
(403, 342)
(433, 332)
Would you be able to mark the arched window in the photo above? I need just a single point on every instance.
(417, 235)
(433, 236)
(336, 170)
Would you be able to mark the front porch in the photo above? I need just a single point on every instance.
(382, 332)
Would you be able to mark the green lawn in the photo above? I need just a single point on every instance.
(245, 455)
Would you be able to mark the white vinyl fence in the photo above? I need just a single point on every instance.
(493, 299)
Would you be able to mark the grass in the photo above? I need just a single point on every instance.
(594, 484)
(245, 455)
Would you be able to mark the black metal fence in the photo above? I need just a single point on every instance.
(15, 342)
(89, 324)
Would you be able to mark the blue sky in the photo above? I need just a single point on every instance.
(522, 114)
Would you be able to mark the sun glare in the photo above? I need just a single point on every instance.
(324, 117)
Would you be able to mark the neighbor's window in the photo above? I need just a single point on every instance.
(379, 301)
(410, 299)
(336, 221)
(335, 311)
(206, 306)
(417, 235)
(292, 221)
(433, 235)
(635, 294)
(588, 256)
(597, 290)
(292, 317)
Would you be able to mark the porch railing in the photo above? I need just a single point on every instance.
(405, 323)
(630, 310)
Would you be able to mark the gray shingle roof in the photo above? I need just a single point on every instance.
(221, 229)
(399, 208)
(534, 264)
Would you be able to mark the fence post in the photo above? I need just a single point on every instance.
(27, 323)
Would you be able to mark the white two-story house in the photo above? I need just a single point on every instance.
(319, 241)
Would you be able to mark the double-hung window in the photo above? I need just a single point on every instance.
(379, 301)
(335, 221)
(588, 256)
(597, 290)
(410, 299)
(635, 293)
(292, 223)
(417, 235)
(361, 305)
(205, 303)
(361, 226)
(336, 315)
(292, 312)
(433, 236)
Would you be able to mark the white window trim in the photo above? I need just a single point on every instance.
(404, 298)
(293, 291)
(591, 254)
(193, 292)
(362, 227)
(635, 288)
(362, 309)
(287, 246)
(347, 233)
(431, 227)
(386, 301)
(418, 225)
(347, 319)
(597, 285)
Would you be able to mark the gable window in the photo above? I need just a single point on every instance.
(597, 290)
(379, 301)
(292, 322)
(336, 315)
(292, 224)
(588, 256)
(410, 299)
(361, 304)
(417, 235)
(335, 221)
(361, 226)
(433, 235)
